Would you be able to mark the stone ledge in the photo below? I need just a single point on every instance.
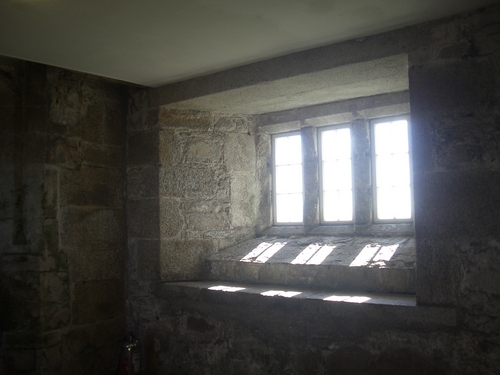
(390, 310)
(378, 265)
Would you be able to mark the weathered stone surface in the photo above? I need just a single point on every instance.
(171, 219)
(32, 213)
(143, 218)
(244, 199)
(363, 264)
(143, 182)
(91, 186)
(239, 152)
(88, 264)
(22, 262)
(203, 150)
(8, 81)
(169, 147)
(99, 227)
(54, 287)
(7, 195)
(457, 204)
(67, 100)
(7, 143)
(20, 307)
(20, 359)
(202, 222)
(53, 257)
(172, 118)
(51, 193)
(142, 148)
(147, 254)
(184, 260)
(115, 120)
(93, 301)
(453, 72)
(61, 121)
(23, 339)
(309, 334)
(105, 360)
(232, 123)
(137, 108)
(64, 151)
(101, 156)
(212, 168)
(183, 181)
(48, 360)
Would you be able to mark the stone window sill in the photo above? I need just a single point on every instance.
(368, 264)
(395, 310)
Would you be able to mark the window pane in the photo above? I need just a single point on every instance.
(288, 179)
(391, 137)
(392, 170)
(289, 208)
(287, 150)
(336, 175)
(337, 205)
(345, 204)
(331, 206)
(401, 164)
(330, 171)
(385, 204)
(394, 203)
(384, 170)
(402, 199)
(344, 174)
(336, 144)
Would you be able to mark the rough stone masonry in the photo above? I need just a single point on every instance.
(108, 193)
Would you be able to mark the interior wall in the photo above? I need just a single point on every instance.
(194, 186)
(190, 191)
(62, 221)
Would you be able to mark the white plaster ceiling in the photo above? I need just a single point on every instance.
(154, 42)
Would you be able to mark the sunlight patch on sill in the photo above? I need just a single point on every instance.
(263, 252)
(374, 254)
(280, 293)
(351, 299)
(224, 288)
(314, 254)
(385, 254)
(256, 252)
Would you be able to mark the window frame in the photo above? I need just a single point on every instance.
(364, 221)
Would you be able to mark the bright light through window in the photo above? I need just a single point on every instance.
(336, 175)
(392, 170)
(288, 179)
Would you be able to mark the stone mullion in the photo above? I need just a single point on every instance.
(361, 172)
(310, 177)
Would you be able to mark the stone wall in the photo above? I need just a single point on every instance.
(454, 75)
(62, 222)
(197, 182)
(193, 188)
